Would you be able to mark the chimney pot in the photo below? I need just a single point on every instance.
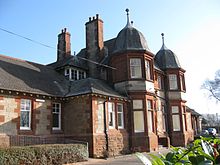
(93, 18)
(89, 18)
(97, 16)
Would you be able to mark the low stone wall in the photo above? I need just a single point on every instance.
(26, 140)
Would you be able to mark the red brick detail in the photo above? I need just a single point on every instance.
(1, 107)
(2, 118)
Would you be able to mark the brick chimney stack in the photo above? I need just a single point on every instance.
(64, 45)
(94, 43)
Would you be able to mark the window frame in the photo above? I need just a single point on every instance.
(163, 117)
(148, 70)
(75, 74)
(111, 111)
(137, 105)
(160, 82)
(176, 114)
(142, 121)
(135, 67)
(150, 114)
(173, 85)
(29, 116)
(59, 115)
(122, 115)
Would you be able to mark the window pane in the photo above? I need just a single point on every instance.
(56, 116)
(25, 114)
(138, 121)
(147, 68)
(150, 115)
(184, 126)
(176, 122)
(120, 116)
(164, 122)
(173, 81)
(150, 121)
(137, 104)
(135, 68)
(25, 121)
(159, 82)
(56, 120)
(100, 116)
(175, 109)
(149, 104)
(111, 115)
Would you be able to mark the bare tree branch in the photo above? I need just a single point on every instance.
(213, 86)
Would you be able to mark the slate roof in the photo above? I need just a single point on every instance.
(166, 59)
(76, 61)
(91, 85)
(129, 38)
(24, 76)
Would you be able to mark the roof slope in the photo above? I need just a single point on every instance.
(20, 75)
(91, 85)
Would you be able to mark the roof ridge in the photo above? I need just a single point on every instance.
(20, 60)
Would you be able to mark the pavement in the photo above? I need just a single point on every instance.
(130, 159)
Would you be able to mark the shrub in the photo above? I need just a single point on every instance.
(203, 151)
(44, 154)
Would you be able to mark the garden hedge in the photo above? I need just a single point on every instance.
(55, 154)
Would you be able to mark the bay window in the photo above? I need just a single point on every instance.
(150, 115)
(138, 121)
(160, 83)
(163, 117)
(135, 68)
(175, 118)
(173, 82)
(138, 116)
(147, 70)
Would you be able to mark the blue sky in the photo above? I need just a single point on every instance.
(191, 27)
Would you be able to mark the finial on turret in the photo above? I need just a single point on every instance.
(128, 22)
(162, 34)
(163, 44)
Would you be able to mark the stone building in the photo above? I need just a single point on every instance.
(116, 95)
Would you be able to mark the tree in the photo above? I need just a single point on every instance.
(213, 86)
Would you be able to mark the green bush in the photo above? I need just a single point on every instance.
(44, 154)
(203, 151)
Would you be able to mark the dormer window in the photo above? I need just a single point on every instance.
(135, 68)
(67, 72)
(75, 74)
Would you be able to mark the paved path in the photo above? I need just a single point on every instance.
(119, 160)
